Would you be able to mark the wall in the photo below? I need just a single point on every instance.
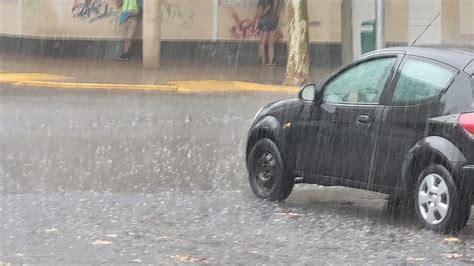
(396, 24)
(182, 19)
(10, 17)
(428, 20)
(197, 26)
(397, 21)
(407, 19)
(458, 23)
(466, 17)
(325, 17)
(99, 20)
(70, 19)
(325, 21)
(235, 22)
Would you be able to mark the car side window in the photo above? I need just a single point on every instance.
(421, 81)
(361, 84)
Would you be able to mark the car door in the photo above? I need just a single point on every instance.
(415, 96)
(335, 137)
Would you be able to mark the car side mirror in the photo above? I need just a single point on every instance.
(309, 92)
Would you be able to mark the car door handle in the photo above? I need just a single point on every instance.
(363, 121)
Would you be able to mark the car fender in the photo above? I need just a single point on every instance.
(436, 145)
(266, 127)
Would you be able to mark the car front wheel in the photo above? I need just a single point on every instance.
(440, 205)
(267, 174)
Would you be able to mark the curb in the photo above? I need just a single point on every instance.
(95, 86)
(42, 80)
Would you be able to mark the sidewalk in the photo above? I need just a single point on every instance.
(185, 76)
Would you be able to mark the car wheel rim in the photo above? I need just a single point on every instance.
(433, 199)
(266, 172)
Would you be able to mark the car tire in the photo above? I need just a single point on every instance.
(267, 174)
(440, 205)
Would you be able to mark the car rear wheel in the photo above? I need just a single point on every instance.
(267, 174)
(440, 205)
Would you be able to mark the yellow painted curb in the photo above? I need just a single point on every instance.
(95, 86)
(42, 80)
(21, 77)
(208, 86)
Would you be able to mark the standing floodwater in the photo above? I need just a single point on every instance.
(126, 131)
(150, 183)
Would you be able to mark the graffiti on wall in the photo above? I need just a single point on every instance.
(94, 10)
(242, 28)
(176, 14)
(245, 28)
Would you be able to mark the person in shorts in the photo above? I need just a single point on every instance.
(267, 23)
(129, 19)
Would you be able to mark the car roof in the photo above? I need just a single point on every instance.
(455, 58)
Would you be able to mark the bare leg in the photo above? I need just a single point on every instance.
(129, 28)
(261, 47)
(127, 45)
(271, 46)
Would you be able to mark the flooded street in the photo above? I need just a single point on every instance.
(146, 177)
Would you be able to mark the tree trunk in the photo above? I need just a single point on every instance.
(297, 69)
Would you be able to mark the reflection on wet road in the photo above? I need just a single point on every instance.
(124, 177)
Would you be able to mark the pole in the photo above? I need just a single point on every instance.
(379, 24)
(215, 20)
(151, 33)
(20, 17)
(346, 31)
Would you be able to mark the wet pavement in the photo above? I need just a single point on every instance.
(143, 177)
(111, 71)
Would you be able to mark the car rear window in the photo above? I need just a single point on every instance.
(421, 80)
(470, 69)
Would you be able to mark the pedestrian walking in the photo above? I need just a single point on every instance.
(129, 20)
(267, 22)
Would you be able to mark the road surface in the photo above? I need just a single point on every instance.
(153, 177)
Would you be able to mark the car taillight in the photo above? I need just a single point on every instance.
(467, 122)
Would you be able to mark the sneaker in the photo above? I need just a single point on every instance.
(124, 57)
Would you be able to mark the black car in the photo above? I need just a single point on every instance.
(399, 121)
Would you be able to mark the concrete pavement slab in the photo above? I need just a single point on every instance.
(113, 72)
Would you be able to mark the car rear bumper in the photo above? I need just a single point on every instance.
(467, 173)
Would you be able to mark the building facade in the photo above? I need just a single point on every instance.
(227, 24)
